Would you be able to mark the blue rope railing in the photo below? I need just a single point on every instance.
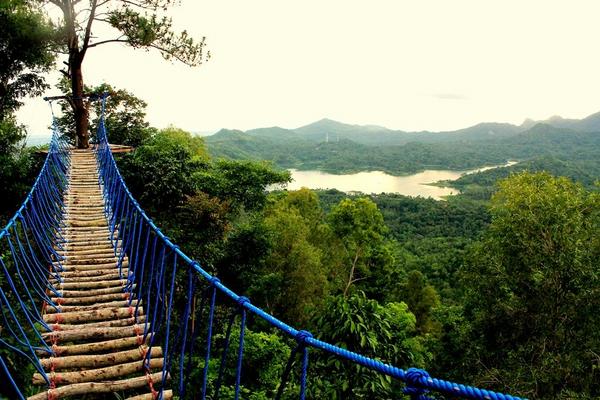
(182, 307)
(132, 226)
(30, 243)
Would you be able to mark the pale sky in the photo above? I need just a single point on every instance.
(411, 65)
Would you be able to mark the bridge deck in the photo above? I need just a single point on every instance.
(97, 334)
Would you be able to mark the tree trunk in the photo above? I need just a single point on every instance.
(76, 55)
(80, 109)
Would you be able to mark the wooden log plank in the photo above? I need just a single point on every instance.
(91, 232)
(105, 276)
(93, 222)
(87, 316)
(74, 260)
(96, 306)
(79, 389)
(92, 285)
(92, 292)
(105, 298)
(92, 273)
(166, 395)
(100, 360)
(116, 322)
(97, 347)
(104, 250)
(73, 216)
(93, 267)
(98, 236)
(90, 243)
(99, 333)
(99, 374)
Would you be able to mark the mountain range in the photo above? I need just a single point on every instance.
(336, 147)
(373, 135)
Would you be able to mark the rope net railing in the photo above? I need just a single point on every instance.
(197, 323)
(29, 261)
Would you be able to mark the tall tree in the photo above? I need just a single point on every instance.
(358, 225)
(137, 23)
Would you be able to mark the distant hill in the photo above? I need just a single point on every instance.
(374, 135)
(470, 149)
(366, 134)
(590, 123)
(482, 185)
(273, 132)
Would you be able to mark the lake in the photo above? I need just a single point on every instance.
(380, 182)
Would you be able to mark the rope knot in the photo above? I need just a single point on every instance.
(213, 282)
(303, 336)
(4, 232)
(242, 300)
(413, 388)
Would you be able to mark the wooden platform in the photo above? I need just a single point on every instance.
(97, 337)
(114, 148)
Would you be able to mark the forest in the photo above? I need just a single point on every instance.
(498, 287)
(389, 276)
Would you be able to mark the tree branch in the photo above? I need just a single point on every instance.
(139, 5)
(58, 4)
(108, 41)
(88, 28)
(351, 279)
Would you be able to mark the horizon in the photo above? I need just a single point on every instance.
(205, 133)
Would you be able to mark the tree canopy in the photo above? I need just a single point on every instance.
(26, 40)
(534, 288)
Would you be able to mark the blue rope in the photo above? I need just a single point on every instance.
(35, 239)
(4, 368)
(211, 314)
(119, 194)
(238, 372)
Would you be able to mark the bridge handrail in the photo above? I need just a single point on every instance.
(418, 381)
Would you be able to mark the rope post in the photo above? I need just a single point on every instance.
(242, 301)
(414, 387)
(302, 338)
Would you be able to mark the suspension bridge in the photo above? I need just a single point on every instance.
(91, 296)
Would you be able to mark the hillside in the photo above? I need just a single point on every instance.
(374, 135)
(470, 148)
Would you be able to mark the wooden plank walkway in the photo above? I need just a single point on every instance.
(98, 342)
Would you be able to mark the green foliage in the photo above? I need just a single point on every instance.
(421, 299)
(293, 254)
(196, 200)
(482, 185)
(243, 183)
(383, 331)
(265, 357)
(160, 172)
(125, 116)
(533, 288)
(204, 221)
(293, 283)
(18, 167)
(25, 41)
(153, 31)
(358, 225)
